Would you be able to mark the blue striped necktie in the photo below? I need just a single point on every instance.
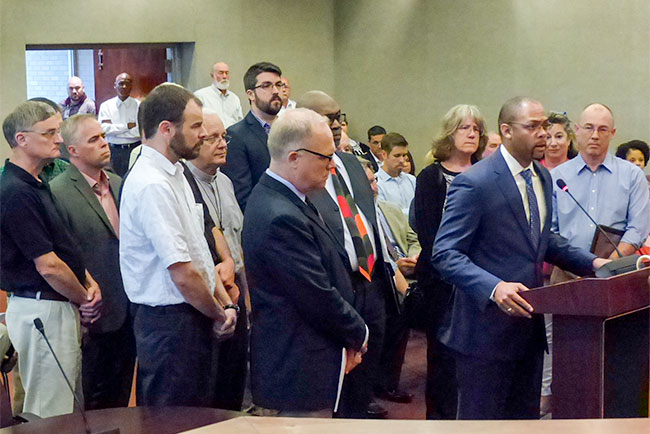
(533, 207)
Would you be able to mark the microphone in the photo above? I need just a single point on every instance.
(618, 266)
(39, 326)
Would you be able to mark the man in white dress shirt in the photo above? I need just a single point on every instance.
(166, 265)
(119, 119)
(218, 98)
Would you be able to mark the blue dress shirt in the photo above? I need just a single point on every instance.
(399, 190)
(615, 194)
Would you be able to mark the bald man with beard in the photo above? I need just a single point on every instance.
(77, 101)
(369, 278)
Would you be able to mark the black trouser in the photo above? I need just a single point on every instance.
(392, 358)
(358, 384)
(174, 345)
(441, 391)
(495, 389)
(120, 155)
(230, 365)
(107, 367)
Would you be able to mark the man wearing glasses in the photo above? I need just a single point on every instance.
(305, 333)
(248, 154)
(41, 265)
(494, 236)
(613, 191)
(223, 223)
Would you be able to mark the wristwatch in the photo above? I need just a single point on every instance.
(231, 306)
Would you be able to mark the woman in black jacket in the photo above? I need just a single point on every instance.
(459, 145)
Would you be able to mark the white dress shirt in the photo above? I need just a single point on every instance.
(120, 113)
(160, 225)
(227, 106)
(349, 245)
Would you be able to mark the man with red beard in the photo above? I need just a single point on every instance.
(248, 155)
(166, 265)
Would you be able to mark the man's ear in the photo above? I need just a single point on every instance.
(166, 128)
(506, 130)
(72, 150)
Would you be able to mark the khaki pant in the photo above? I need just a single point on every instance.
(46, 393)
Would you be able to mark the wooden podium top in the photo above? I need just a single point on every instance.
(604, 297)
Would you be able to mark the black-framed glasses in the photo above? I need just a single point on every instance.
(534, 126)
(318, 154)
(49, 133)
(267, 85)
(336, 117)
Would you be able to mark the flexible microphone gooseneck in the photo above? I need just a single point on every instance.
(39, 326)
(617, 266)
(565, 188)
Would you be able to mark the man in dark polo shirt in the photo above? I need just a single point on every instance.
(41, 265)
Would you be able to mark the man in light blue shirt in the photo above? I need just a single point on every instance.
(395, 186)
(613, 191)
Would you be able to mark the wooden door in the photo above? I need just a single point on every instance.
(146, 65)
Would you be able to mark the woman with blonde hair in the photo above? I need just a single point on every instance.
(459, 145)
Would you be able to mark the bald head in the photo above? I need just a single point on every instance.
(511, 109)
(597, 109)
(75, 88)
(123, 85)
(594, 133)
(212, 154)
(325, 105)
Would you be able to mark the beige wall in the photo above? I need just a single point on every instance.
(240, 32)
(403, 64)
(399, 63)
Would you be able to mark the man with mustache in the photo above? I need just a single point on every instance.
(248, 155)
(218, 99)
(167, 269)
(494, 237)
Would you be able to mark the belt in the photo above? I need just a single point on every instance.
(126, 145)
(40, 295)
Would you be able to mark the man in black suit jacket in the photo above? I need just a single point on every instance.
(86, 196)
(494, 237)
(369, 294)
(248, 156)
(301, 295)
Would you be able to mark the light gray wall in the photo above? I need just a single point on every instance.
(297, 35)
(403, 64)
(399, 63)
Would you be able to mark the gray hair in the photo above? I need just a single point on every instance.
(70, 128)
(292, 130)
(23, 118)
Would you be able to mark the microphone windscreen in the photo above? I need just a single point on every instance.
(39, 324)
(560, 183)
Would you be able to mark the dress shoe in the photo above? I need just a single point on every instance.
(395, 396)
(376, 411)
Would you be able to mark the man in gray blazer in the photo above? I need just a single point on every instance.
(86, 196)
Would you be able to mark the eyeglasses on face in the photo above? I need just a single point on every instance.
(534, 126)
(48, 134)
(318, 154)
(267, 85)
(216, 137)
(602, 130)
(331, 117)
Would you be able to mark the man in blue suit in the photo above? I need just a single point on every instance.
(248, 156)
(493, 239)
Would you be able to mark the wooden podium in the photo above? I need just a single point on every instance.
(600, 344)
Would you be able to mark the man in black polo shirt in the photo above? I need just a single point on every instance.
(41, 265)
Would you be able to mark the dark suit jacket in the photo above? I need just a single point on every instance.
(248, 156)
(484, 239)
(363, 197)
(301, 302)
(81, 210)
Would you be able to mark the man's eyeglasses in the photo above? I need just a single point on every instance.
(602, 130)
(48, 134)
(318, 154)
(534, 126)
(216, 137)
(267, 85)
(336, 117)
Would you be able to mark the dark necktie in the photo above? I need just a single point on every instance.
(358, 231)
(533, 207)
